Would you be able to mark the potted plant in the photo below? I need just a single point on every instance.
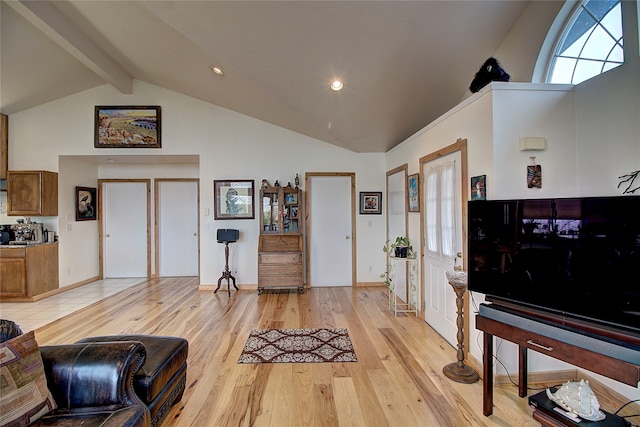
(400, 248)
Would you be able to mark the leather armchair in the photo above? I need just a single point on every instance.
(92, 384)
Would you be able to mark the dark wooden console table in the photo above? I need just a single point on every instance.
(619, 370)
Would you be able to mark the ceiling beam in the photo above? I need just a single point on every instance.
(64, 32)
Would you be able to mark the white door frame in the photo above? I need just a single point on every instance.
(156, 208)
(307, 179)
(461, 146)
(101, 211)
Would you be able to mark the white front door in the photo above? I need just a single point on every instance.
(330, 231)
(125, 229)
(443, 240)
(178, 228)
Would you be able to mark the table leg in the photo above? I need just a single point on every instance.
(487, 375)
(522, 372)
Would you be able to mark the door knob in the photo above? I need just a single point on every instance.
(346, 237)
(194, 234)
(108, 235)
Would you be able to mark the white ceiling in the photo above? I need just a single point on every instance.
(403, 63)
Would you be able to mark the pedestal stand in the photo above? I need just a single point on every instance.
(226, 274)
(459, 371)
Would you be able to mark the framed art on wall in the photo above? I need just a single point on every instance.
(479, 187)
(86, 204)
(127, 127)
(233, 199)
(371, 202)
(413, 192)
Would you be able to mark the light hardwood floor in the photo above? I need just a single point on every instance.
(397, 380)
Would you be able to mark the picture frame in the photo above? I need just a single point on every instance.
(86, 204)
(233, 199)
(127, 126)
(371, 202)
(413, 192)
(291, 198)
(479, 187)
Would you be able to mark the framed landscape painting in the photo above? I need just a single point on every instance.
(127, 127)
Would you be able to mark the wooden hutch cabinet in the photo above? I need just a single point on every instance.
(280, 246)
(32, 193)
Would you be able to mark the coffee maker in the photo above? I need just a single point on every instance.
(27, 233)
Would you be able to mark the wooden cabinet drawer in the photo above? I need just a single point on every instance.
(13, 252)
(286, 270)
(280, 258)
(280, 281)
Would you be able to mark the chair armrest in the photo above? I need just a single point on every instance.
(93, 374)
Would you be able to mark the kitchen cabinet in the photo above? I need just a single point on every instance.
(28, 271)
(280, 245)
(32, 193)
(4, 145)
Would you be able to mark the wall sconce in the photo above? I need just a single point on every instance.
(533, 143)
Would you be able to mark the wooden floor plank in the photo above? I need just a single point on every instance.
(397, 380)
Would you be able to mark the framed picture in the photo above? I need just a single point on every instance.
(479, 187)
(371, 202)
(233, 199)
(127, 127)
(413, 192)
(291, 198)
(86, 204)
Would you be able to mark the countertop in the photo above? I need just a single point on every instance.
(6, 245)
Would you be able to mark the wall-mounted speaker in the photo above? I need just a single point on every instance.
(227, 235)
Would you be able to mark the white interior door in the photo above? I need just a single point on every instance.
(443, 240)
(330, 232)
(178, 228)
(125, 229)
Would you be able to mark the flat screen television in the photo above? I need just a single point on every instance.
(573, 257)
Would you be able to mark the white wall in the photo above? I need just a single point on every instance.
(229, 146)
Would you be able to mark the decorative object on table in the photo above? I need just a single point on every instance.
(413, 190)
(226, 236)
(127, 127)
(491, 71)
(86, 204)
(459, 371)
(534, 174)
(233, 199)
(578, 398)
(479, 187)
(630, 178)
(371, 202)
(298, 346)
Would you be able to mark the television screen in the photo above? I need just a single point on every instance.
(578, 257)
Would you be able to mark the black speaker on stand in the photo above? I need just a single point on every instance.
(226, 236)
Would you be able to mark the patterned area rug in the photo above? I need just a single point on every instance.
(298, 346)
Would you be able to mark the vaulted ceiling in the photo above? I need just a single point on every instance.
(403, 64)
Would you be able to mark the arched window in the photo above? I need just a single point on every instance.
(590, 44)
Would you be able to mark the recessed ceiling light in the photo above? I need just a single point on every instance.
(217, 70)
(336, 85)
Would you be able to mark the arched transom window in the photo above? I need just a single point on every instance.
(590, 44)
